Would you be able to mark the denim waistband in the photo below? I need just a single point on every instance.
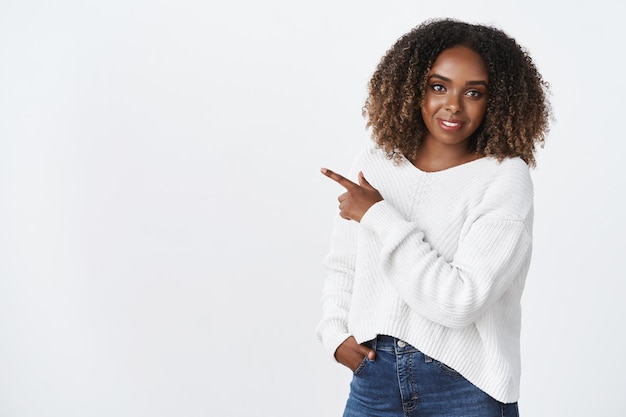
(391, 344)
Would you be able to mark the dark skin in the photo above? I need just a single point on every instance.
(357, 199)
(454, 106)
(351, 354)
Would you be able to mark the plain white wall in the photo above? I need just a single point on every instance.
(163, 220)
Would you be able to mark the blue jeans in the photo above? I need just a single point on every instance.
(403, 382)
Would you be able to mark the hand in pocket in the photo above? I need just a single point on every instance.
(351, 354)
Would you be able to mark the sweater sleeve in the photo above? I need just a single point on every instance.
(337, 292)
(454, 294)
(339, 264)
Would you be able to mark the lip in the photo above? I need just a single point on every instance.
(450, 125)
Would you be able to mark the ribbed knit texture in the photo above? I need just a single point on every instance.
(439, 263)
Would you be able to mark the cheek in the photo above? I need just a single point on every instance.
(427, 108)
(479, 112)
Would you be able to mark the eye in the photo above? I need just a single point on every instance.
(438, 88)
(474, 94)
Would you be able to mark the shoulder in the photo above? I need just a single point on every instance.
(489, 174)
(515, 164)
(510, 173)
(508, 187)
(371, 157)
(371, 153)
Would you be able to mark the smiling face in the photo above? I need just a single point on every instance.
(456, 98)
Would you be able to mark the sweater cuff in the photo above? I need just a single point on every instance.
(379, 217)
(331, 334)
(331, 344)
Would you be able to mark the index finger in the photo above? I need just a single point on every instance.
(343, 181)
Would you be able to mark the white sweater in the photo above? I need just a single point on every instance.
(439, 263)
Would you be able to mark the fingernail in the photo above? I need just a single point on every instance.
(324, 170)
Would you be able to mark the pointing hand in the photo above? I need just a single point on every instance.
(357, 199)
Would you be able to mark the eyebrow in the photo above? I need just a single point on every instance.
(476, 82)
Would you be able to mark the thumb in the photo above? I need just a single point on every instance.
(367, 352)
(363, 182)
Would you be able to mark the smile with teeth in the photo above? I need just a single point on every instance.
(450, 124)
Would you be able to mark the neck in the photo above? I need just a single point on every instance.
(437, 157)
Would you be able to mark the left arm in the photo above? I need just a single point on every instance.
(454, 294)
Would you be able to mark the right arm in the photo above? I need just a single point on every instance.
(337, 293)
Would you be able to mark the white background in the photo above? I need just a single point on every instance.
(163, 219)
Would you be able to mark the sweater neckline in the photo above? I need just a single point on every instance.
(451, 170)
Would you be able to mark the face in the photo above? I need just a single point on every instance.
(456, 97)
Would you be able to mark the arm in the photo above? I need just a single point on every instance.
(454, 294)
(337, 291)
(491, 255)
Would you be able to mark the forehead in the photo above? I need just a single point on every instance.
(460, 62)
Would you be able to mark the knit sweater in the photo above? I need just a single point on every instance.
(439, 263)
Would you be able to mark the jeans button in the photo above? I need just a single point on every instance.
(401, 343)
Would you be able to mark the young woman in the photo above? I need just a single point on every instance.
(433, 241)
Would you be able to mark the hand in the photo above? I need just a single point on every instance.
(357, 199)
(351, 354)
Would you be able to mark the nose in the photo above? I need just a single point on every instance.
(453, 104)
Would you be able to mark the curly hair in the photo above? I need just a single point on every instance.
(518, 111)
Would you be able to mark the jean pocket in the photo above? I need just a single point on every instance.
(361, 366)
(448, 370)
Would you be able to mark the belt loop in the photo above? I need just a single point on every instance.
(427, 359)
(374, 343)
